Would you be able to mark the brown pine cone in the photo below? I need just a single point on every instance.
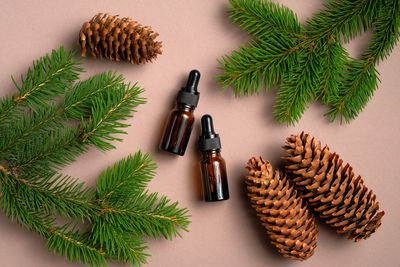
(114, 38)
(285, 216)
(331, 189)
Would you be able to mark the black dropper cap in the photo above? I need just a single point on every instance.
(188, 95)
(209, 140)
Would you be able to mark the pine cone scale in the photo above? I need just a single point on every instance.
(331, 189)
(281, 210)
(118, 39)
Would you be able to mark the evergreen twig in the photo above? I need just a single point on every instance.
(39, 135)
(47, 79)
(275, 54)
(361, 76)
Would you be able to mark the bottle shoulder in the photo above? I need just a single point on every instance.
(213, 156)
(181, 112)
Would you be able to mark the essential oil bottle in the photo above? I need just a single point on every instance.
(180, 121)
(213, 167)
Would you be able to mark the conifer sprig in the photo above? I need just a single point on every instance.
(127, 176)
(344, 19)
(294, 93)
(76, 104)
(107, 112)
(276, 53)
(41, 134)
(57, 194)
(48, 78)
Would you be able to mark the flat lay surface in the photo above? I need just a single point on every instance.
(194, 35)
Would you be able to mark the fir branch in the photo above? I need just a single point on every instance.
(120, 193)
(38, 142)
(265, 19)
(360, 81)
(48, 78)
(362, 78)
(59, 149)
(334, 61)
(76, 105)
(279, 41)
(17, 210)
(78, 102)
(265, 60)
(57, 194)
(128, 176)
(106, 111)
(120, 245)
(70, 244)
(294, 92)
(75, 246)
(146, 214)
(387, 32)
(259, 64)
(344, 19)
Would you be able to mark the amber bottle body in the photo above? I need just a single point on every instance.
(178, 129)
(214, 178)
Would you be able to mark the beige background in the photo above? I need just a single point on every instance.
(194, 35)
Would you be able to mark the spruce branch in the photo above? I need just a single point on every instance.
(265, 19)
(120, 192)
(387, 32)
(74, 246)
(117, 225)
(106, 111)
(361, 77)
(59, 149)
(71, 245)
(76, 105)
(127, 176)
(147, 214)
(249, 70)
(274, 57)
(57, 194)
(38, 122)
(294, 93)
(17, 210)
(266, 59)
(344, 19)
(360, 81)
(334, 62)
(61, 146)
(40, 135)
(47, 79)
(78, 101)
(120, 245)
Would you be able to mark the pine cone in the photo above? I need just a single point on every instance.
(331, 189)
(118, 39)
(283, 213)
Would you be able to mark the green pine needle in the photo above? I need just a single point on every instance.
(359, 84)
(107, 112)
(127, 176)
(333, 63)
(345, 19)
(47, 79)
(275, 55)
(45, 127)
(294, 93)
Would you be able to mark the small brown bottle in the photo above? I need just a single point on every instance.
(180, 121)
(213, 167)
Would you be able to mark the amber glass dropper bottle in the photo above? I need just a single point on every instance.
(213, 167)
(180, 121)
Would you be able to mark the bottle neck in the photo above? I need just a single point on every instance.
(212, 153)
(184, 107)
